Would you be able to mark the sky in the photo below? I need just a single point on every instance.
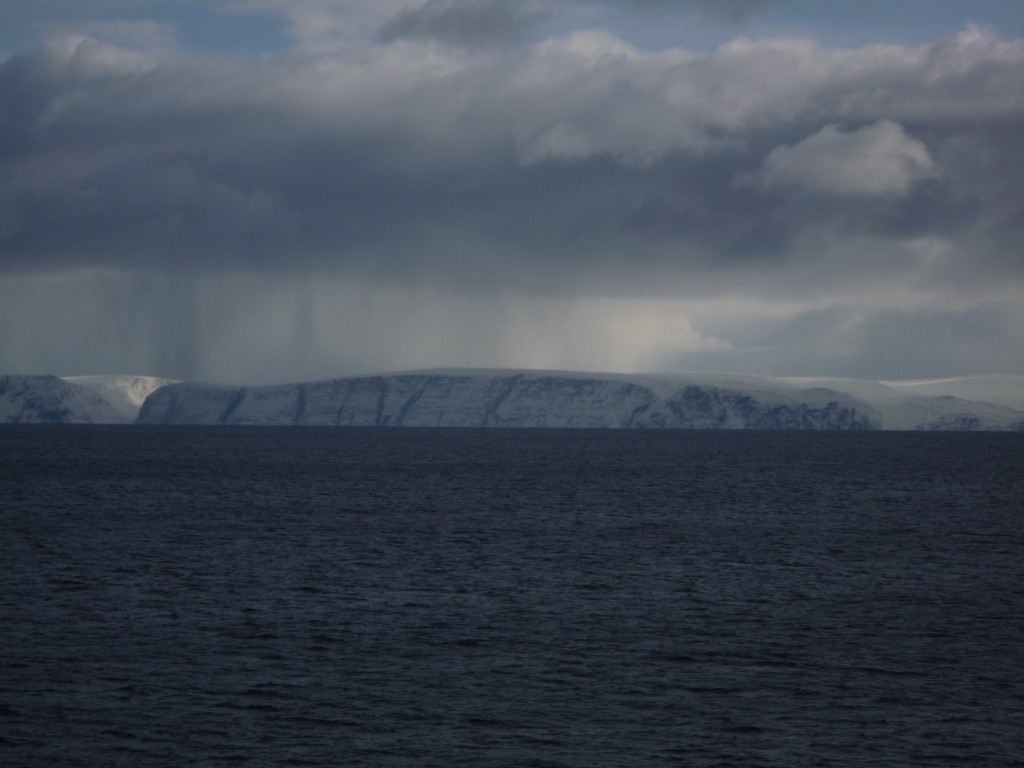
(267, 191)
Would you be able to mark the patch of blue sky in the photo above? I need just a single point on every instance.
(232, 33)
(212, 28)
(843, 23)
(905, 22)
(193, 27)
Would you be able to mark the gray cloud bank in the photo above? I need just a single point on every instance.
(466, 21)
(823, 194)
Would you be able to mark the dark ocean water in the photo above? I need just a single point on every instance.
(273, 597)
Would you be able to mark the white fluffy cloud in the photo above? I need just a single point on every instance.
(878, 159)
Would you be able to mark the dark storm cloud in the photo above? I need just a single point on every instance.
(578, 164)
(466, 191)
(734, 11)
(481, 22)
(465, 21)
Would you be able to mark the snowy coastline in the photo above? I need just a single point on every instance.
(527, 398)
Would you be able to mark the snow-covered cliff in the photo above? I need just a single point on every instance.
(51, 400)
(969, 403)
(74, 400)
(518, 399)
(126, 394)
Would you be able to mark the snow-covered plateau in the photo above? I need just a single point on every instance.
(508, 398)
(504, 398)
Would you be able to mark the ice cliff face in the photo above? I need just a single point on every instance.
(511, 400)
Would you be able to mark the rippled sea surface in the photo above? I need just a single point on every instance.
(273, 597)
